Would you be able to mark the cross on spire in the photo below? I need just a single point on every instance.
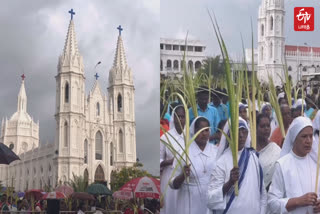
(23, 76)
(72, 13)
(96, 76)
(120, 29)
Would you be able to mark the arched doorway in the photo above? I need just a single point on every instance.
(99, 175)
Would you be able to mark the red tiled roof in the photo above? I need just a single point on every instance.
(301, 48)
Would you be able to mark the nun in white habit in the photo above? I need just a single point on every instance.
(192, 194)
(293, 184)
(174, 137)
(252, 198)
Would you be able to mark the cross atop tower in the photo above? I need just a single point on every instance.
(96, 76)
(120, 29)
(23, 76)
(72, 13)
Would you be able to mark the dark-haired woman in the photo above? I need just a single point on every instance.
(192, 195)
(269, 152)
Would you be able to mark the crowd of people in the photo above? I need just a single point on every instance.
(10, 205)
(278, 176)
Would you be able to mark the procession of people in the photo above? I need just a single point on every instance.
(279, 175)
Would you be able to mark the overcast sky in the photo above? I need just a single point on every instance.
(180, 16)
(32, 37)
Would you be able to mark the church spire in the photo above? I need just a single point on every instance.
(71, 46)
(22, 97)
(70, 56)
(120, 57)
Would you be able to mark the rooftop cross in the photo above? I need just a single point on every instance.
(96, 76)
(120, 29)
(72, 13)
(23, 76)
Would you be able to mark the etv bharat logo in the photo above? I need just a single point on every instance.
(303, 19)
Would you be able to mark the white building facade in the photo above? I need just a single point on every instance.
(95, 133)
(172, 52)
(302, 62)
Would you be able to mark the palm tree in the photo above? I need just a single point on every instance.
(215, 66)
(79, 183)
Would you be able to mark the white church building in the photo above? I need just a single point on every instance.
(95, 133)
(303, 62)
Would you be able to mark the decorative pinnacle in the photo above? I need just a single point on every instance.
(96, 76)
(23, 76)
(72, 13)
(120, 29)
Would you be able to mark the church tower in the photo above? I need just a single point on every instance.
(70, 116)
(121, 97)
(20, 132)
(271, 40)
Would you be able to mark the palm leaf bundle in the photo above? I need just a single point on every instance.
(234, 92)
(274, 102)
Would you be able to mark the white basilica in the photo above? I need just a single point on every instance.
(95, 133)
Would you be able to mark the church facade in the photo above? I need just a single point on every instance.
(95, 133)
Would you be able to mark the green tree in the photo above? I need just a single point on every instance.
(79, 183)
(125, 174)
(215, 66)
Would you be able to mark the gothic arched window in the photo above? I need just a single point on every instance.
(262, 30)
(111, 154)
(66, 93)
(271, 23)
(271, 49)
(161, 65)
(289, 68)
(65, 133)
(98, 146)
(119, 103)
(98, 109)
(86, 151)
(120, 141)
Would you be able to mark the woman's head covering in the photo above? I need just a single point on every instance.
(241, 106)
(264, 106)
(193, 125)
(299, 104)
(224, 144)
(171, 123)
(280, 95)
(316, 122)
(295, 128)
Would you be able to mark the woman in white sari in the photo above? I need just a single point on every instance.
(192, 192)
(293, 184)
(173, 139)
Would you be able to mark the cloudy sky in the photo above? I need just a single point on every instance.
(32, 38)
(180, 16)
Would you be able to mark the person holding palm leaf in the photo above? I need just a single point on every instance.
(252, 197)
(192, 192)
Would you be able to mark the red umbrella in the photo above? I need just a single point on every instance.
(143, 187)
(67, 190)
(35, 193)
(54, 195)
